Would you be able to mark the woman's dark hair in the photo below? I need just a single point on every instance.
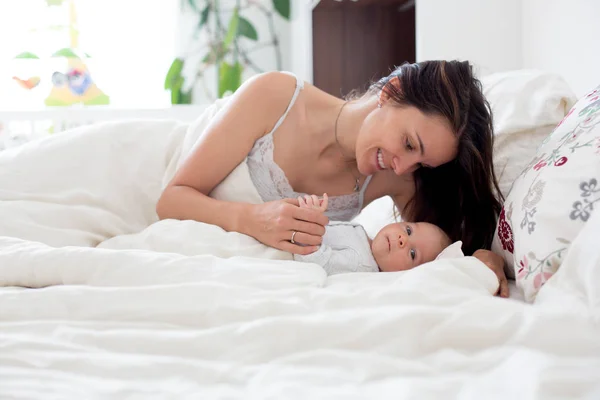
(461, 197)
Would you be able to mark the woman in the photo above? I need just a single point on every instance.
(422, 135)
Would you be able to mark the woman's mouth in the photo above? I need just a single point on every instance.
(380, 164)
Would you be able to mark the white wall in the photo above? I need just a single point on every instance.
(559, 36)
(485, 32)
(562, 36)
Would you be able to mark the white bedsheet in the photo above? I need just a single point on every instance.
(173, 309)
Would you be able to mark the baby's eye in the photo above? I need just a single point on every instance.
(409, 230)
(413, 254)
(409, 146)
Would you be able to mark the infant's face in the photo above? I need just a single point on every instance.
(404, 245)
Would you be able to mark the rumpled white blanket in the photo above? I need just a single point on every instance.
(176, 309)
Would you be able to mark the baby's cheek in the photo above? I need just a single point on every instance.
(393, 264)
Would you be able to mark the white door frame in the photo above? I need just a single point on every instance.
(301, 38)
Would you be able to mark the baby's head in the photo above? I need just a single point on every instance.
(405, 245)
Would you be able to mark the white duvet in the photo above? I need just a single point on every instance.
(128, 307)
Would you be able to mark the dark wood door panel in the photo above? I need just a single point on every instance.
(356, 42)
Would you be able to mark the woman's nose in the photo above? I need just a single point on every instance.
(403, 166)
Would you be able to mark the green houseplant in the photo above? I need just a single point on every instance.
(225, 48)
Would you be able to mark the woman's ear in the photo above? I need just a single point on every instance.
(389, 90)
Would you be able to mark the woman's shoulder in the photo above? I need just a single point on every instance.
(273, 86)
(270, 91)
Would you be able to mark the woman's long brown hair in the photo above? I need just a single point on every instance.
(461, 197)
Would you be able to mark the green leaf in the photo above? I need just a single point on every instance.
(65, 52)
(176, 90)
(174, 73)
(27, 55)
(232, 30)
(192, 4)
(230, 77)
(185, 97)
(204, 16)
(245, 28)
(282, 7)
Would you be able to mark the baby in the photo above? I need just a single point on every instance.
(397, 247)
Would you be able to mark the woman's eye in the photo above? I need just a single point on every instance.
(409, 146)
(413, 254)
(409, 230)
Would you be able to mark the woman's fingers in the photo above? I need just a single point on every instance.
(307, 227)
(503, 290)
(306, 239)
(293, 202)
(308, 215)
(296, 249)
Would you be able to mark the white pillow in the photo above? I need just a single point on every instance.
(527, 99)
(526, 106)
(376, 215)
(452, 251)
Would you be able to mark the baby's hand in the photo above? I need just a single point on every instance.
(313, 202)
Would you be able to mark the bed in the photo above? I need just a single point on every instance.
(99, 299)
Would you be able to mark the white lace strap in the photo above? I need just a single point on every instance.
(299, 87)
(361, 195)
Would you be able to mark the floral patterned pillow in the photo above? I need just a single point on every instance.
(552, 199)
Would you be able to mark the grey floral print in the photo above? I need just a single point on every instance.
(590, 194)
(533, 197)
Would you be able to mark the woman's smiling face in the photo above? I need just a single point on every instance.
(403, 139)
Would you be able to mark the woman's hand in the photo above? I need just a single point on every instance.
(275, 222)
(496, 264)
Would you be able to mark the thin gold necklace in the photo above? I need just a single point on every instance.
(356, 179)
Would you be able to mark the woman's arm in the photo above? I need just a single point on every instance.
(251, 112)
(225, 143)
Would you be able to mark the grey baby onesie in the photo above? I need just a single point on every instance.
(345, 248)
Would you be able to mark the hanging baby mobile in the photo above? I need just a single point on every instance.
(72, 83)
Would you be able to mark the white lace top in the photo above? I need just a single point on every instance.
(272, 184)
